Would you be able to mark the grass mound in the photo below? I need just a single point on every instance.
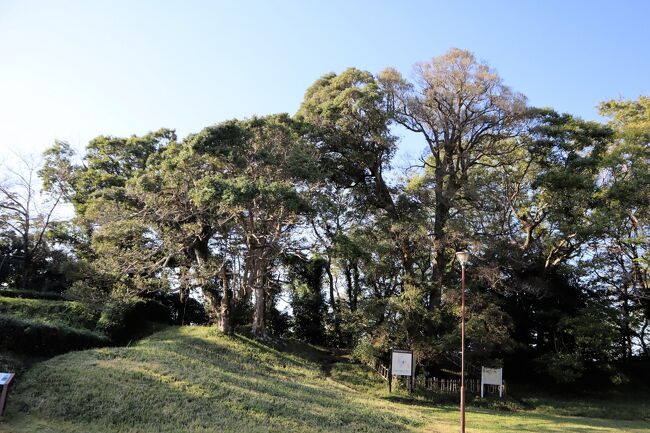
(193, 379)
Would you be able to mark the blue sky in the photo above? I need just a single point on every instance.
(72, 70)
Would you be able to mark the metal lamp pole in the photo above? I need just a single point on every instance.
(462, 257)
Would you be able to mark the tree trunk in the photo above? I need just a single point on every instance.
(333, 304)
(225, 316)
(356, 285)
(439, 249)
(184, 293)
(255, 284)
(259, 325)
(348, 283)
(212, 297)
(27, 254)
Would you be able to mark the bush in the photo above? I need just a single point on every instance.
(38, 338)
(192, 312)
(54, 312)
(121, 320)
(30, 294)
(365, 352)
(562, 367)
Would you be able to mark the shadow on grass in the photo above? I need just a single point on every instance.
(178, 382)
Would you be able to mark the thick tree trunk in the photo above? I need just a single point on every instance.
(256, 285)
(201, 253)
(24, 280)
(212, 297)
(439, 249)
(259, 325)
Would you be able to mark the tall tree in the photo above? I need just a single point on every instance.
(259, 170)
(465, 114)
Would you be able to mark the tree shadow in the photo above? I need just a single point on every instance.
(187, 383)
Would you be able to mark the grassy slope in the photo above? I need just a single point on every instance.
(193, 379)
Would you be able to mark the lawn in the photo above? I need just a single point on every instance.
(193, 379)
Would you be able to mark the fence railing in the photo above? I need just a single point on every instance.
(380, 369)
(441, 385)
(453, 385)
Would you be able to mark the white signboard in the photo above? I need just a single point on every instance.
(492, 376)
(4, 378)
(402, 363)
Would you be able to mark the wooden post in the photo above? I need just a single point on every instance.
(390, 373)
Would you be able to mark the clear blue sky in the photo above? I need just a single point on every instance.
(73, 70)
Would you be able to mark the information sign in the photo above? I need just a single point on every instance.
(5, 378)
(492, 376)
(402, 363)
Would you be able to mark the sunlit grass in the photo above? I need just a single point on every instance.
(194, 379)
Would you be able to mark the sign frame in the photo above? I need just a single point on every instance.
(7, 379)
(488, 378)
(410, 374)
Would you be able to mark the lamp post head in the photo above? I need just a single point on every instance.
(462, 257)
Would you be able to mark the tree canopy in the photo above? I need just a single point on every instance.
(303, 225)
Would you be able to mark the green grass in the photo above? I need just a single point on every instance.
(626, 403)
(52, 312)
(193, 379)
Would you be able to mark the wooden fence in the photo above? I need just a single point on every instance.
(442, 385)
(453, 385)
(380, 369)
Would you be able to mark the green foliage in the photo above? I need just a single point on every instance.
(109, 163)
(79, 325)
(307, 302)
(39, 337)
(191, 312)
(367, 353)
(563, 367)
(553, 208)
(346, 116)
(122, 320)
(581, 341)
(30, 294)
(55, 312)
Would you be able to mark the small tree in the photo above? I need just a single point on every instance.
(26, 214)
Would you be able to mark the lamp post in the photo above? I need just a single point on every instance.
(463, 257)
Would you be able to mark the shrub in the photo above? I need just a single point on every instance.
(562, 367)
(121, 320)
(30, 294)
(55, 312)
(366, 352)
(34, 337)
(192, 312)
